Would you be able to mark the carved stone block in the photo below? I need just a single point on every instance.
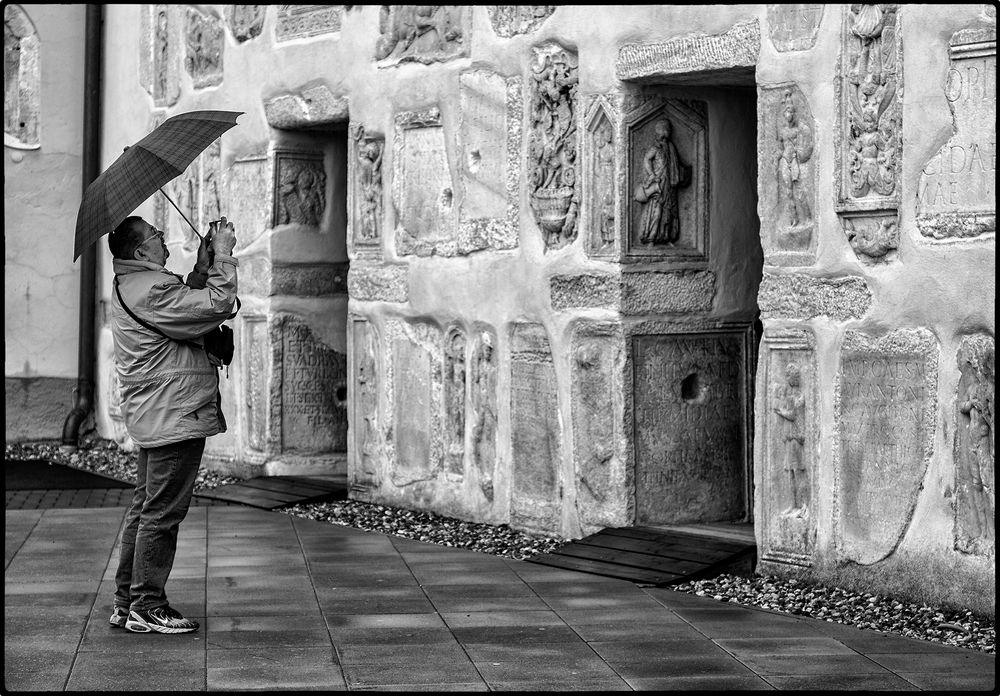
(536, 433)
(801, 296)
(248, 199)
(597, 361)
(422, 33)
(667, 292)
(245, 21)
(690, 427)
(159, 52)
(385, 283)
(299, 188)
(301, 21)
(22, 78)
(885, 401)
(313, 384)
(554, 193)
(667, 180)
(787, 172)
(312, 106)
(513, 20)
(309, 280)
(366, 195)
(367, 432)
(483, 408)
(415, 383)
(603, 140)
(256, 351)
(974, 448)
(790, 444)
(205, 43)
(794, 27)
(454, 402)
(956, 194)
(873, 239)
(737, 47)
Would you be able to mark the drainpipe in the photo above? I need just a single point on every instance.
(87, 350)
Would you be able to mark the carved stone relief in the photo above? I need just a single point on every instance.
(256, 352)
(422, 33)
(801, 296)
(789, 436)
(159, 60)
(786, 159)
(885, 401)
(299, 188)
(601, 184)
(369, 441)
(454, 402)
(596, 365)
(377, 282)
(22, 79)
(366, 208)
(956, 194)
(300, 21)
(869, 158)
(975, 442)
(553, 146)
(245, 21)
(536, 433)
(512, 20)
(205, 41)
(483, 408)
(667, 187)
(248, 198)
(793, 27)
(738, 47)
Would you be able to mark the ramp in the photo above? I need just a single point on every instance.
(269, 492)
(662, 555)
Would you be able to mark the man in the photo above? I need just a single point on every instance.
(170, 402)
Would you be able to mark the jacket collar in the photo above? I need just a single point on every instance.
(125, 266)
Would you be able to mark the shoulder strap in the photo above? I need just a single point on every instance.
(132, 314)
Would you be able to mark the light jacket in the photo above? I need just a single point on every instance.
(169, 389)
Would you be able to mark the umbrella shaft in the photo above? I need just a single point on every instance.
(179, 211)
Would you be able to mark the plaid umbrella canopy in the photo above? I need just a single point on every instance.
(142, 169)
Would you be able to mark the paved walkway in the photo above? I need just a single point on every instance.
(287, 604)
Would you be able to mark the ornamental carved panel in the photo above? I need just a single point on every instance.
(299, 188)
(422, 33)
(367, 194)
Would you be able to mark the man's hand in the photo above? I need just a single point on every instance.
(224, 238)
(204, 260)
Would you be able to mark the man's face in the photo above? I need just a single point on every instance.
(154, 249)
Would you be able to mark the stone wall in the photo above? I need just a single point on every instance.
(556, 232)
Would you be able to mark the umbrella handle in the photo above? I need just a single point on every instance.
(181, 213)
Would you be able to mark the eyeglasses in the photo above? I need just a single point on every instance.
(156, 234)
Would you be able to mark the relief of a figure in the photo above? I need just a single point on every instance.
(790, 409)
(975, 456)
(424, 29)
(370, 184)
(795, 149)
(483, 412)
(604, 187)
(455, 399)
(368, 400)
(663, 175)
(301, 193)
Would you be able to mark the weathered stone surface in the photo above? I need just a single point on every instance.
(367, 433)
(483, 408)
(794, 27)
(598, 444)
(787, 176)
(737, 47)
(245, 21)
(800, 296)
(248, 199)
(536, 433)
(512, 20)
(205, 46)
(22, 77)
(975, 459)
(603, 142)
(256, 352)
(415, 382)
(255, 276)
(554, 192)
(299, 188)
(309, 280)
(689, 406)
(311, 106)
(885, 401)
(366, 204)
(197, 193)
(159, 52)
(385, 283)
(667, 180)
(313, 384)
(873, 239)
(956, 194)
(596, 290)
(422, 33)
(300, 21)
(636, 292)
(454, 402)
(789, 433)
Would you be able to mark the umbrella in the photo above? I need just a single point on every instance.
(143, 169)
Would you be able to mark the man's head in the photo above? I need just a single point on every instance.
(136, 240)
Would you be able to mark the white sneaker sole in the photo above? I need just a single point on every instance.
(137, 625)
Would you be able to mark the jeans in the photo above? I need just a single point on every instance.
(163, 490)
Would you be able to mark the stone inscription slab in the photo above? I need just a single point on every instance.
(416, 390)
(256, 349)
(793, 27)
(956, 193)
(884, 406)
(689, 409)
(535, 430)
(298, 21)
(424, 191)
(364, 474)
(483, 133)
(313, 393)
(248, 199)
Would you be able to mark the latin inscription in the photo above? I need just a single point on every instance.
(314, 393)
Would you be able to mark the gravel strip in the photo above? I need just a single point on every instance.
(867, 611)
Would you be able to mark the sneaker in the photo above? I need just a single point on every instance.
(160, 620)
(119, 615)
